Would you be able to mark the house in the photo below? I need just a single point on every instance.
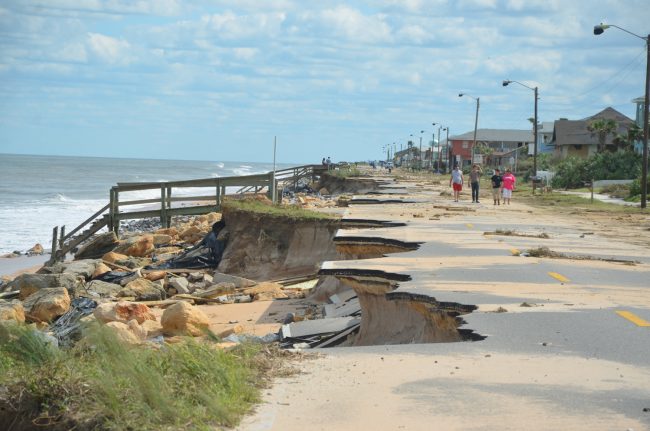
(544, 137)
(501, 143)
(573, 137)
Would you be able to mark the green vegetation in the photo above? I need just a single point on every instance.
(346, 171)
(572, 172)
(266, 208)
(104, 384)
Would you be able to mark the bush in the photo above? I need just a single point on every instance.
(569, 173)
(635, 188)
(573, 172)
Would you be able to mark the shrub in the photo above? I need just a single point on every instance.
(569, 173)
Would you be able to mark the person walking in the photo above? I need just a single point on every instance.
(509, 181)
(456, 181)
(474, 180)
(496, 186)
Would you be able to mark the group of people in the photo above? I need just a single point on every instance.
(502, 185)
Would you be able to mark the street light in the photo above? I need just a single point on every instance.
(420, 155)
(478, 103)
(446, 149)
(433, 142)
(505, 84)
(599, 29)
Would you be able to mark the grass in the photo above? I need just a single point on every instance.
(288, 211)
(104, 384)
(347, 171)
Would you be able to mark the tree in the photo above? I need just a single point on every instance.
(602, 128)
(626, 141)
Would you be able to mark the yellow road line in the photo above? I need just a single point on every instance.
(469, 225)
(559, 277)
(633, 318)
(515, 252)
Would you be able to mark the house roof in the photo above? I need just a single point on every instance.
(610, 113)
(576, 132)
(496, 135)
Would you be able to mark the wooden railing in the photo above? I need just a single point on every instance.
(213, 191)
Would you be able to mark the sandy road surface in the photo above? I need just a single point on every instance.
(577, 358)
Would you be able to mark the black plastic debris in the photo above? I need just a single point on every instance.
(67, 328)
(206, 254)
(114, 277)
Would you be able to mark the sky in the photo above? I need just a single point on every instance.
(218, 80)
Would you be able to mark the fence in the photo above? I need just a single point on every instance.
(170, 204)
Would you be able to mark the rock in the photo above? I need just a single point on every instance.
(324, 191)
(195, 276)
(184, 319)
(36, 250)
(124, 332)
(113, 257)
(171, 231)
(28, 284)
(79, 268)
(126, 280)
(207, 278)
(12, 311)
(98, 246)
(46, 304)
(264, 287)
(215, 290)
(123, 311)
(101, 269)
(155, 275)
(161, 239)
(270, 296)
(153, 328)
(143, 290)
(239, 282)
(138, 246)
(237, 329)
(191, 234)
(102, 289)
(180, 284)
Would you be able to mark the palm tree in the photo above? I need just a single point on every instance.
(626, 141)
(602, 128)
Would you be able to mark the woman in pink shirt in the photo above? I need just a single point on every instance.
(508, 185)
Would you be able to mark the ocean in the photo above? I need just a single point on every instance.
(40, 192)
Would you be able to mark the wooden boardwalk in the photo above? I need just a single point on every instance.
(210, 193)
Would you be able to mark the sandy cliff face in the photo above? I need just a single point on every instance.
(265, 247)
(336, 184)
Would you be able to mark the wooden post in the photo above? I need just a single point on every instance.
(169, 205)
(115, 210)
(55, 235)
(163, 207)
(111, 208)
(218, 196)
(592, 190)
(62, 237)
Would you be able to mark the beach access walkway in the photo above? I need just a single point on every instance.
(567, 339)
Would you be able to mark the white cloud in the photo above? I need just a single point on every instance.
(232, 26)
(73, 52)
(414, 34)
(245, 53)
(481, 4)
(109, 49)
(355, 26)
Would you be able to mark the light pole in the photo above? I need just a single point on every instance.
(420, 155)
(433, 141)
(447, 149)
(505, 84)
(478, 103)
(599, 29)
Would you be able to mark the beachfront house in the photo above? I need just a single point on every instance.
(574, 137)
(494, 147)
